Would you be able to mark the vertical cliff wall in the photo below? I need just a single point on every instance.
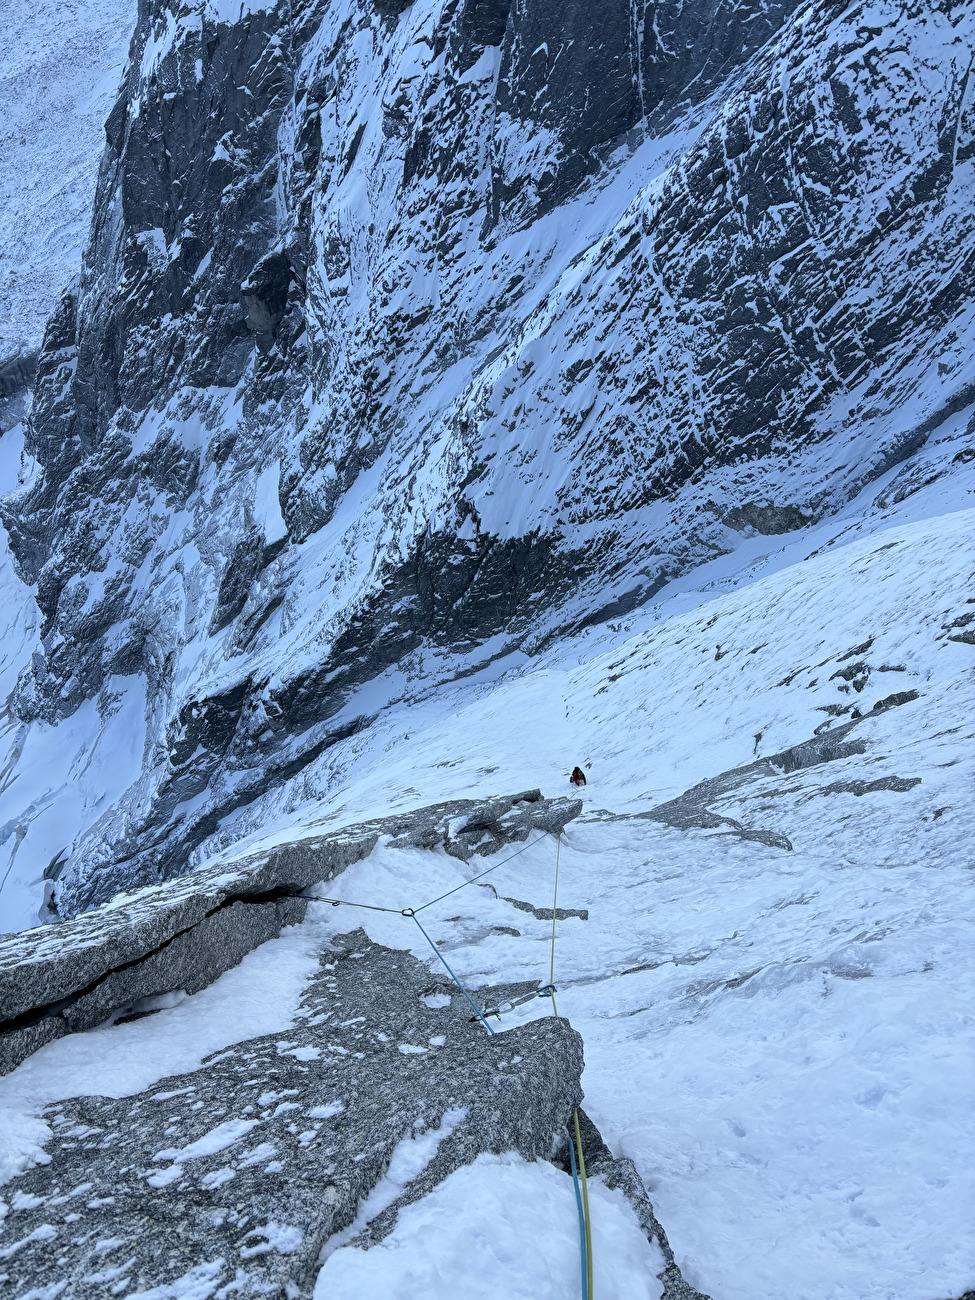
(413, 336)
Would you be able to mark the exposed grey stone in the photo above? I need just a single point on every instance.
(766, 519)
(190, 960)
(548, 913)
(17, 1044)
(264, 295)
(183, 934)
(116, 1164)
(901, 784)
(690, 809)
(892, 701)
(16, 377)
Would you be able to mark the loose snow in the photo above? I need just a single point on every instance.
(408, 1161)
(58, 80)
(260, 996)
(500, 1226)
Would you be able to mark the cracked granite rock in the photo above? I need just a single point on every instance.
(183, 934)
(237, 1174)
(241, 1171)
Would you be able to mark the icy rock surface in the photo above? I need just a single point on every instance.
(409, 337)
(239, 1172)
(58, 79)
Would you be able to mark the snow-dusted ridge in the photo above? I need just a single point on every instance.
(59, 979)
(454, 392)
(505, 404)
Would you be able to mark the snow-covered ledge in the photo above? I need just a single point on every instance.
(59, 979)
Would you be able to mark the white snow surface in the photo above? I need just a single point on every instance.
(781, 1041)
(408, 1161)
(499, 1227)
(260, 996)
(59, 74)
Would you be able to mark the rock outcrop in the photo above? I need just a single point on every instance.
(62, 978)
(247, 1167)
(410, 336)
(693, 807)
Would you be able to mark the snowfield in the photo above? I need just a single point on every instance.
(780, 1039)
(59, 77)
(497, 497)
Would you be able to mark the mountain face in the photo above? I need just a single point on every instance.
(58, 79)
(412, 338)
(455, 392)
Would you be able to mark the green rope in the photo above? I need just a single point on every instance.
(585, 1223)
(555, 899)
(583, 1260)
(578, 1170)
(585, 1206)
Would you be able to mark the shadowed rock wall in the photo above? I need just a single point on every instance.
(409, 336)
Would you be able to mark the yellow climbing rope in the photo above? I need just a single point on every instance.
(555, 900)
(575, 1148)
(585, 1206)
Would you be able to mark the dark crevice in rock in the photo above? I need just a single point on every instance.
(294, 913)
(184, 934)
(339, 1071)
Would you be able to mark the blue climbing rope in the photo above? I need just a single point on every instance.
(581, 1192)
(409, 912)
(583, 1258)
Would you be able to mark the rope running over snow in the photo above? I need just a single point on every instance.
(578, 1166)
(411, 912)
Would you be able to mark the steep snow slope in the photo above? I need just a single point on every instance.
(456, 391)
(779, 1037)
(59, 75)
(393, 360)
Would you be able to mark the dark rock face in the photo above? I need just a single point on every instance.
(767, 519)
(240, 1171)
(62, 978)
(588, 74)
(692, 808)
(335, 396)
(16, 376)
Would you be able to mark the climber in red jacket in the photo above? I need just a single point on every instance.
(578, 776)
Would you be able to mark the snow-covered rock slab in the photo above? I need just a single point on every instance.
(184, 933)
(240, 1172)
